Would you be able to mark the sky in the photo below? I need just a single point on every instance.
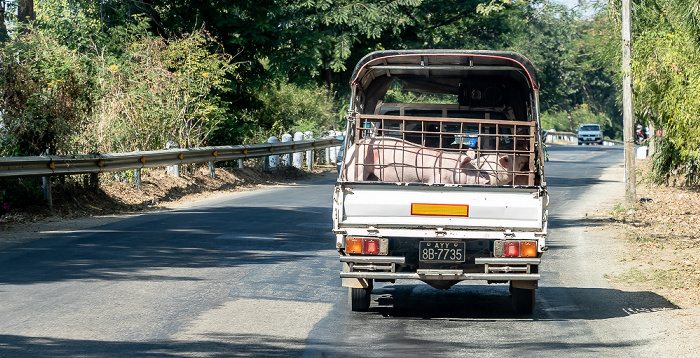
(573, 3)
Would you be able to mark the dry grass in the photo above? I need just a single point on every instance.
(662, 231)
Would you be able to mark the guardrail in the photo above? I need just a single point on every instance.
(573, 138)
(99, 163)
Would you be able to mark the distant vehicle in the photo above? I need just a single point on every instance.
(589, 133)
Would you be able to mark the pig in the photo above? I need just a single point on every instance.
(501, 168)
(395, 160)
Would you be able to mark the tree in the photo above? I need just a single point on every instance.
(4, 17)
(25, 11)
(667, 86)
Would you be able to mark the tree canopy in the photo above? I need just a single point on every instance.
(82, 76)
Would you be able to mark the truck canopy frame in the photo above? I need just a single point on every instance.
(496, 116)
(439, 71)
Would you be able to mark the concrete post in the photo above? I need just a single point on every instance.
(286, 158)
(333, 151)
(309, 153)
(172, 169)
(298, 158)
(628, 106)
(273, 160)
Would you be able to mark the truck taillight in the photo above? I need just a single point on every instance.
(515, 248)
(366, 246)
(353, 245)
(370, 247)
(528, 249)
(511, 249)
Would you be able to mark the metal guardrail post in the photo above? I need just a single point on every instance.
(94, 180)
(212, 171)
(137, 179)
(46, 183)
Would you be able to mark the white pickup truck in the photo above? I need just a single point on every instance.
(448, 186)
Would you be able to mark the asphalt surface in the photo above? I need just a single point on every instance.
(256, 274)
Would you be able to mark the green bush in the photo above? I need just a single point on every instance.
(288, 108)
(18, 193)
(47, 94)
(159, 91)
(566, 122)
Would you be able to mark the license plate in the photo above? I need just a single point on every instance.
(441, 251)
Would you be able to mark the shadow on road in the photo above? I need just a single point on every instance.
(211, 346)
(473, 302)
(134, 249)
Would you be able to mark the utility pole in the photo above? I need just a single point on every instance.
(627, 107)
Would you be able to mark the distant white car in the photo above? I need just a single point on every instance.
(589, 133)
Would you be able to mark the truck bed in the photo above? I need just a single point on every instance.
(421, 209)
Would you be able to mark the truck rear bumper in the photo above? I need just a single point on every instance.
(495, 269)
(436, 275)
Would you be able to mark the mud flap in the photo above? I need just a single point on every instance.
(353, 282)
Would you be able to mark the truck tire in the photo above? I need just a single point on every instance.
(360, 298)
(523, 300)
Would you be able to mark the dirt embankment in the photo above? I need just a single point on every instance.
(663, 251)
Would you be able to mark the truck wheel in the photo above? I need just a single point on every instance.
(523, 300)
(360, 298)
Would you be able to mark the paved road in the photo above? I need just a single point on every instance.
(256, 274)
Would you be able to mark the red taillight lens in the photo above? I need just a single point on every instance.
(511, 249)
(353, 245)
(371, 247)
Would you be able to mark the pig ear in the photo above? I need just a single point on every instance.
(466, 162)
(504, 161)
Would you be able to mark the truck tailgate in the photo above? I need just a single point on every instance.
(438, 206)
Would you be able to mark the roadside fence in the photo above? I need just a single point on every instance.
(47, 166)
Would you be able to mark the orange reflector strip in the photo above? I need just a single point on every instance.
(440, 209)
(528, 249)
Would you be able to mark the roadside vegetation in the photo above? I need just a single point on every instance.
(79, 76)
(663, 245)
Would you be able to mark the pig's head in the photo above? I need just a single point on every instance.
(504, 172)
(469, 174)
(498, 168)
